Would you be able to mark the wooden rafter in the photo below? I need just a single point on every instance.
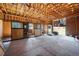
(40, 11)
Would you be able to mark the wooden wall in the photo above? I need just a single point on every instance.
(1, 28)
(6, 29)
(1, 34)
(42, 30)
(17, 34)
(46, 28)
(72, 26)
(37, 32)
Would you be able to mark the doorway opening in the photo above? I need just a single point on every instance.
(59, 26)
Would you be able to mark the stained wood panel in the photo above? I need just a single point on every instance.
(17, 34)
(77, 25)
(72, 26)
(6, 29)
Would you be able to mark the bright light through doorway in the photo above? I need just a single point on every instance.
(60, 30)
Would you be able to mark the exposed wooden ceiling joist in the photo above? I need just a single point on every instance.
(40, 11)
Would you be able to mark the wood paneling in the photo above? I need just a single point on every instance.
(37, 32)
(72, 25)
(46, 28)
(1, 35)
(17, 34)
(77, 25)
(1, 29)
(6, 29)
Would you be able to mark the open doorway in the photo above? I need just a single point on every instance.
(59, 26)
(49, 29)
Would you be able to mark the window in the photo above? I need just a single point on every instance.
(30, 26)
(60, 22)
(17, 25)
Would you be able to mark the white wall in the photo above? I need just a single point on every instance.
(1, 28)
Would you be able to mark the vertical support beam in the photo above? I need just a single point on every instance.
(34, 28)
(52, 24)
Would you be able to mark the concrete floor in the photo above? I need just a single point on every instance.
(44, 46)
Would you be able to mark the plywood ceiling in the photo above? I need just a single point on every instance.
(40, 11)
